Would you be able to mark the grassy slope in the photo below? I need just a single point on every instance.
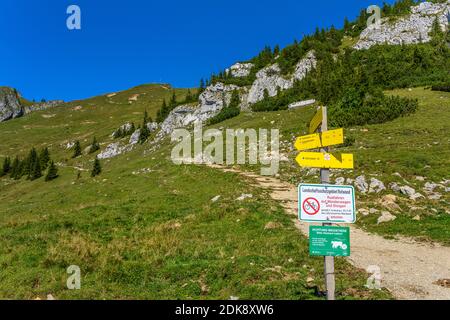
(153, 235)
(416, 145)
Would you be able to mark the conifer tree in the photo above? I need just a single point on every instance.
(52, 172)
(35, 166)
(76, 149)
(97, 168)
(6, 167)
(15, 169)
(44, 158)
(95, 146)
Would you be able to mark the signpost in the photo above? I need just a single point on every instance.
(326, 203)
(325, 160)
(329, 241)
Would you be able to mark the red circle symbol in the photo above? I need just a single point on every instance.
(311, 206)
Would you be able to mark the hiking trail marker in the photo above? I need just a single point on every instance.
(325, 203)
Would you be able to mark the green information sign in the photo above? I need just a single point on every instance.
(329, 241)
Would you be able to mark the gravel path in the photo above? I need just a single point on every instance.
(409, 269)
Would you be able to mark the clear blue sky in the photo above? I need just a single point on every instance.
(127, 43)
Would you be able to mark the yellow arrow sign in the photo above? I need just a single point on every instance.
(319, 140)
(325, 160)
(316, 121)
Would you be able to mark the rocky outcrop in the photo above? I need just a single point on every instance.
(211, 101)
(113, 150)
(271, 79)
(10, 106)
(43, 106)
(240, 70)
(414, 28)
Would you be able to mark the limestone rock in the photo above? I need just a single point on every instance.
(10, 106)
(361, 184)
(386, 216)
(240, 70)
(389, 201)
(134, 139)
(414, 28)
(113, 150)
(376, 186)
(244, 196)
(340, 181)
(270, 78)
(152, 126)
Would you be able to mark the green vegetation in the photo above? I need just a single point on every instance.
(97, 168)
(228, 111)
(413, 145)
(128, 230)
(52, 172)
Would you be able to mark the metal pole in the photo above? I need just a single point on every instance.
(328, 261)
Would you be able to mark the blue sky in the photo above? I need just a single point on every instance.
(127, 43)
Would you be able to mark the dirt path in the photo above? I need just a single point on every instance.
(409, 269)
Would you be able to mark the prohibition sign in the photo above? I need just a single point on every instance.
(311, 206)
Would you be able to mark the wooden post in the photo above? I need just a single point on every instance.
(330, 282)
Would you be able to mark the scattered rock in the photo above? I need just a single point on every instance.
(373, 210)
(386, 216)
(417, 218)
(361, 184)
(340, 181)
(443, 283)
(389, 201)
(50, 297)
(215, 199)
(419, 178)
(244, 196)
(376, 186)
(364, 212)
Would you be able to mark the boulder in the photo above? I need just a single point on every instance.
(340, 181)
(10, 106)
(389, 201)
(152, 126)
(376, 186)
(386, 216)
(361, 184)
(135, 137)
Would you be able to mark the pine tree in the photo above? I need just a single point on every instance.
(29, 164)
(145, 133)
(97, 168)
(15, 169)
(76, 149)
(44, 158)
(52, 172)
(95, 146)
(35, 169)
(6, 167)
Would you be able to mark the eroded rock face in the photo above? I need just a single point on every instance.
(113, 150)
(240, 70)
(211, 101)
(43, 106)
(270, 78)
(412, 29)
(10, 106)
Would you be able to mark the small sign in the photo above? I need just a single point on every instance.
(319, 140)
(325, 160)
(326, 203)
(329, 241)
(316, 120)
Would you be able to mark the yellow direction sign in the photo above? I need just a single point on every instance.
(325, 160)
(319, 140)
(316, 120)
